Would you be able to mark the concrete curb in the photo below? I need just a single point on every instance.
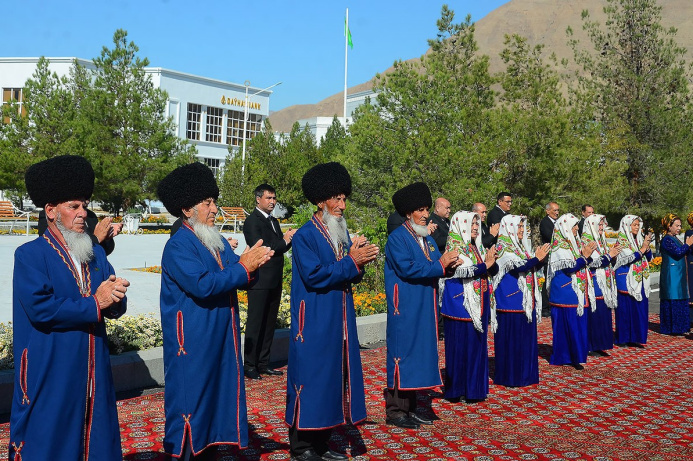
(140, 369)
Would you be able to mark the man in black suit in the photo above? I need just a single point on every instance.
(504, 201)
(547, 223)
(587, 210)
(264, 296)
(394, 221)
(488, 234)
(546, 233)
(441, 218)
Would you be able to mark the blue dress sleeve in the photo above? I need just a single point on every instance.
(527, 266)
(672, 248)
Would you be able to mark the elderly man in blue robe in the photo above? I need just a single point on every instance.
(64, 404)
(324, 362)
(204, 400)
(413, 265)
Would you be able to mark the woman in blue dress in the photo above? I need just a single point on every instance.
(633, 282)
(673, 284)
(569, 292)
(466, 305)
(600, 332)
(689, 265)
(517, 297)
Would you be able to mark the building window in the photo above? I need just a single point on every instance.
(194, 119)
(13, 95)
(215, 116)
(234, 127)
(214, 164)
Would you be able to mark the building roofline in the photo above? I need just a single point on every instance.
(149, 70)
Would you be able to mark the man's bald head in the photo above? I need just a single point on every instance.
(441, 207)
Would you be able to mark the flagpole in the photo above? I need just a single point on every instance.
(346, 47)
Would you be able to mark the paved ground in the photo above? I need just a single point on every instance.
(131, 251)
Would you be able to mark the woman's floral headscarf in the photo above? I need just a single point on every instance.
(639, 272)
(460, 239)
(605, 275)
(512, 253)
(689, 218)
(565, 251)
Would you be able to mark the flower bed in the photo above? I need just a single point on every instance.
(128, 333)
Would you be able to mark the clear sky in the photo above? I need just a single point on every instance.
(297, 42)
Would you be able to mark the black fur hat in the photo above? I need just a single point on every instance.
(58, 179)
(186, 186)
(324, 181)
(412, 197)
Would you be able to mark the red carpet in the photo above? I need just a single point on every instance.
(636, 404)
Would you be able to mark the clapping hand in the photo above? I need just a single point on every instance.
(646, 243)
(491, 256)
(542, 251)
(363, 252)
(588, 249)
(450, 259)
(689, 240)
(254, 257)
(614, 250)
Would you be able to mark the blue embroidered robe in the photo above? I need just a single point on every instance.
(411, 288)
(205, 391)
(689, 271)
(323, 333)
(64, 404)
(673, 280)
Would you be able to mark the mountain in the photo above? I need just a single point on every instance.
(541, 21)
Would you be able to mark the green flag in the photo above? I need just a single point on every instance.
(347, 34)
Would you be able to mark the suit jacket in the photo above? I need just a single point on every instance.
(394, 221)
(580, 224)
(495, 216)
(441, 233)
(487, 239)
(546, 229)
(258, 227)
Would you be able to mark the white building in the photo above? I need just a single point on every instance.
(319, 125)
(207, 112)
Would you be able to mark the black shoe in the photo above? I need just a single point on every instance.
(604, 354)
(453, 399)
(270, 371)
(404, 422)
(638, 345)
(329, 454)
(252, 373)
(308, 455)
(422, 420)
(594, 354)
(578, 366)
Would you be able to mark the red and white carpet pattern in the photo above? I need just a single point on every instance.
(636, 404)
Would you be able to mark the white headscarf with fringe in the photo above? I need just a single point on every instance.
(639, 272)
(565, 251)
(605, 275)
(512, 253)
(460, 239)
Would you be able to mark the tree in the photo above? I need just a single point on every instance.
(430, 123)
(634, 86)
(132, 144)
(111, 115)
(333, 145)
(545, 151)
(280, 163)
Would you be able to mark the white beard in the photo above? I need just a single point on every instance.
(79, 243)
(337, 228)
(208, 235)
(421, 231)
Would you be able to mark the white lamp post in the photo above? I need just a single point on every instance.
(245, 118)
